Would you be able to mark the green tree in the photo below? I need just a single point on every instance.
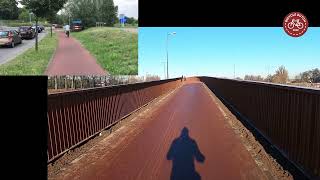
(42, 9)
(91, 12)
(108, 12)
(131, 20)
(59, 19)
(84, 10)
(9, 9)
(24, 15)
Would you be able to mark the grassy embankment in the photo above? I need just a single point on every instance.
(116, 50)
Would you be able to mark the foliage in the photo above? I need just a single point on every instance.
(9, 9)
(43, 8)
(17, 23)
(24, 15)
(84, 10)
(59, 19)
(91, 12)
(108, 12)
(131, 20)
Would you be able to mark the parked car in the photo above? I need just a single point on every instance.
(41, 27)
(10, 38)
(27, 32)
(38, 28)
(77, 25)
(57, 25)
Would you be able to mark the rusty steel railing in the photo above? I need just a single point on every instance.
(74, 117)
(288, 116)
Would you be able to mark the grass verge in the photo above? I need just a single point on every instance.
(32, 62)
(116, 50)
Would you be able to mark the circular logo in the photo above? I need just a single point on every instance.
(295, 24)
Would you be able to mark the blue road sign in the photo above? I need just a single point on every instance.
(123, 20)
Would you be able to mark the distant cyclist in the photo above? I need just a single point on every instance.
(67, 29)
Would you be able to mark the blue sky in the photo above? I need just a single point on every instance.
(215, 51)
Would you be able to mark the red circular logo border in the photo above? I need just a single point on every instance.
(306, 23)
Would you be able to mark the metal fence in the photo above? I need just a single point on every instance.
(288, 116)
(74, 117)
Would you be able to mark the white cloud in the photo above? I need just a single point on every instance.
(127, 7)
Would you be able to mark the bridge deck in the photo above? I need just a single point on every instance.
(185, 137)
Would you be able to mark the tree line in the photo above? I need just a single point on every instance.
(311, 76)
(83, 82)
(9, 9)
(281, 76)
(89, 11)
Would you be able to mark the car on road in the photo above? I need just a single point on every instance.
(57, 26)
(27, 32)
(10, 38)
(39, 29)
(77, 25)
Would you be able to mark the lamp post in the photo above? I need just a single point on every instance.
(173, 33)
(30, 14)
(164, 69)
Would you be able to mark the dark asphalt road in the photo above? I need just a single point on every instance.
(7, 53)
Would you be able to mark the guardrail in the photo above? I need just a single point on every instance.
(76, 116)
(288, 116)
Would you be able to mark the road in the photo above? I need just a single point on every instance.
(184, 137)
(7, 54)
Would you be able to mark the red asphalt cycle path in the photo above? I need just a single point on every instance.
(141, 152)
(71, 58)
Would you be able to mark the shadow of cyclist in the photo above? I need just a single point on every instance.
(182, 152)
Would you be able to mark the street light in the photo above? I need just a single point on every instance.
(173, 33)
(164, 69)
(30, 14)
